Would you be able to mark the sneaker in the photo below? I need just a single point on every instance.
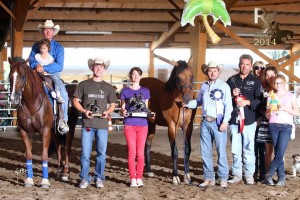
(133, 183)
(207, 183)
(223, 183)
(99, 183)
(249, 180)
(63, 127)
(281, 183)
(84, 184)
(235, 179)
(60, 100)
(139, 182)
(268, 181)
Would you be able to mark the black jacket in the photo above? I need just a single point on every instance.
(252, 89)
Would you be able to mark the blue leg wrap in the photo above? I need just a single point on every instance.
(29, 168)
(45, 169)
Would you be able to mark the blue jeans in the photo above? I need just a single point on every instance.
(242, 148)
(280, 134)
(59, 85)
(87, 137)
(209, 132)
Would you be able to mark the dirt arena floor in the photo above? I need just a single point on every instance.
(12, 175)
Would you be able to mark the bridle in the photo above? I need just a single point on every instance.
(20, 105)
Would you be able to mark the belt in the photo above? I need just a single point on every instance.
(208, 118)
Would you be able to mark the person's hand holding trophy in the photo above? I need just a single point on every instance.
(95, 110)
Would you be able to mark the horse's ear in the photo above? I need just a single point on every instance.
(190, 62)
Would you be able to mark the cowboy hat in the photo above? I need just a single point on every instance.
(211, 64)
(49, 24)
(101, 61)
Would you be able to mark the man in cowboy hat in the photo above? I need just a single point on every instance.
(49, 30)
(246, 90)
(215, 98)
(86, 94)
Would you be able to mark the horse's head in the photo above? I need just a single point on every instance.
(182, 80)
(17, 80)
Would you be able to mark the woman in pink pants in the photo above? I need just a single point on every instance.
(134, 99)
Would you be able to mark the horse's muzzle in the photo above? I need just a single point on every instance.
(15, 99)
(186, 98)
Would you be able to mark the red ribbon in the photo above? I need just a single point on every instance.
(241, 112)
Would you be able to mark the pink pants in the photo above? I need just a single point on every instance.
(136, 139)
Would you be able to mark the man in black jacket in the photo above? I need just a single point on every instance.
(246, 92)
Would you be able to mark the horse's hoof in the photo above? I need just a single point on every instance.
(65, 177)
(45, 183)
(187, 179)
(150, 174)
(176, 180)
(29, 183)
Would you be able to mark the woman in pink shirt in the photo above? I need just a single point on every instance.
(280, 125)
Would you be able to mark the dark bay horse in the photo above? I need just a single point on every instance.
(165, 101)
(35, 114)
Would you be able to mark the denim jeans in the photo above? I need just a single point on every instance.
(87, 137)
(209, 132)
(63, 92)
(242, 148)
(136, 138)
(280, 134)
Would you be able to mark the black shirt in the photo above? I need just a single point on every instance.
(252, 89)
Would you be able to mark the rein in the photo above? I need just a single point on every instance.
(21, 106)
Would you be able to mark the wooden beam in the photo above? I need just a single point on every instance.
(104, 26)
(198, 44)
(128, 4)
(116, 37)
(165, 36)
(256, 51)
(263, 3)
(151, 64)
(291, 8)
(91, 15)
(21, 9)
(7, 10)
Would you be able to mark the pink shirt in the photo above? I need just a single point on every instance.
(283, 117)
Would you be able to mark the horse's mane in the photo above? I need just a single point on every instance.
(171, 83)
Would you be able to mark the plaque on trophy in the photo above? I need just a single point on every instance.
(137, 107)
(95, 109)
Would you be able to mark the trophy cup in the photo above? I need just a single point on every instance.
(95, 109)
(137, 107)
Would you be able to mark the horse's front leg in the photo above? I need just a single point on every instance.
(46, 137)
(27, 140)
(187, 152)
(151, 133)
(174, 153)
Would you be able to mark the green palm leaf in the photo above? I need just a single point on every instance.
(214, 8)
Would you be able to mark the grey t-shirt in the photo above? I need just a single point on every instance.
(90, 91)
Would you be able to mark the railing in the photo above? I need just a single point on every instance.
(7, 118)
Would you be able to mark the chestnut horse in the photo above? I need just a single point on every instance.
(35, 114)
(165, 101)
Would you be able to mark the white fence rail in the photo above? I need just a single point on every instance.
(6, 110)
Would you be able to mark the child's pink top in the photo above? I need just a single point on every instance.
(283, 117)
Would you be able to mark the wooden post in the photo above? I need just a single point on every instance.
(151, 63)
(198, 44)
(3, 57)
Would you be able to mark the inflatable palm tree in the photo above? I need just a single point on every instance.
(214, 8)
